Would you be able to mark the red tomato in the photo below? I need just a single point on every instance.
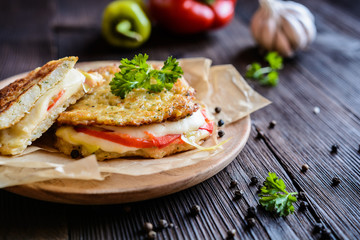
(209, 125)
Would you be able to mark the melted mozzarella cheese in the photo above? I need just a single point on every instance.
(161, 129)
(20, 133)
(192, 123)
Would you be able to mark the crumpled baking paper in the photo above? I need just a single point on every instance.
(215, 86)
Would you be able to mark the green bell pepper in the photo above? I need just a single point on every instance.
(125, 24)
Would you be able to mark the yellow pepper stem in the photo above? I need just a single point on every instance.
(124, 28)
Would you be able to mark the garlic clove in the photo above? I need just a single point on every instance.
(282, 44)
(298, 8)
(309, 28)
(256, 24)
(268, 34)
(294, 31)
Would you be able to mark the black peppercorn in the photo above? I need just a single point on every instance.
(326, 234)
(231, 234)
(303, 206)
(251, 222)
(74, 153)
(318, 227)
(233, 183)
(260, 134)
(334, 149)
(254, 180)
(151, 235)
(301, 196)
(163, 223)
(335, 181)
(304, 168)
(238, 194)
(147, 226)
(195, 210)
(272, 124)
(221, 122)
(221, 133)
(218, 109)
(251, 212)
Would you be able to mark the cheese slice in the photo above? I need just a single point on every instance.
(91, 143)
(20, 134)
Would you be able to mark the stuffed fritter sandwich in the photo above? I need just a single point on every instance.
(30, 105)
(142, 110)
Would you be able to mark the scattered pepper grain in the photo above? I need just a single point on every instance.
(318, 227)
(272, 124)
(238, 194)
(304, 168)
(231, 234)
(147, 226)
(254, 180)
(221, 133)
(301, 196)
(163, 224)
(151, 235)
(334, 149)
(336, 181)
(218, 109)
(260, 134)
(221, 123)
(233, 183)
(326, 234)
(251, 222)
(303, 206)
(251, 212)
(195, 210)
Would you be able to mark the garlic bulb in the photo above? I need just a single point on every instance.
(282, 26)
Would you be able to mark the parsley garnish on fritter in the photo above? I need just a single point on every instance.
(137, 73)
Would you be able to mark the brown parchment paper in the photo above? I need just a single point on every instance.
(215, 85)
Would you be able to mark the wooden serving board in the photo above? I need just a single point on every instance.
(119, 188)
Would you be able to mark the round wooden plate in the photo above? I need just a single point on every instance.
(118, 188)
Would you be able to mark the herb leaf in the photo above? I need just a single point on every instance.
(137, 73)
(274, 196)
(266, 75)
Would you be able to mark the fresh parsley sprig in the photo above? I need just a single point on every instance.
(266, 75)
(137, 73)
(275, 198)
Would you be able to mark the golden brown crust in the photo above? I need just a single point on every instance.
(18, 98)
(11, 93)
(139, 106)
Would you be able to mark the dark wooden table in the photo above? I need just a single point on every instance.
(325, 76)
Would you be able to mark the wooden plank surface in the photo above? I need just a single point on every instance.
(326, 76)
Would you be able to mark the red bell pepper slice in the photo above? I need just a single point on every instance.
(209, 125)
(129, 141)
(192, 16)
(55, 99)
